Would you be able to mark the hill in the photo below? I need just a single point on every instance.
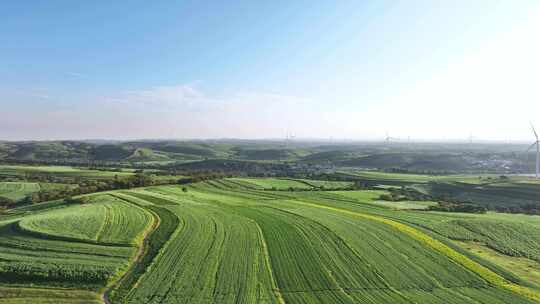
(418, 157)
(252, 241)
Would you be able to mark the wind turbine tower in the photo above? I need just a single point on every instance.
(537, 144)
(470, 138)
(389, 139)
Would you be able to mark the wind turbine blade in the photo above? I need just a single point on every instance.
(532, 146)
(535, 134)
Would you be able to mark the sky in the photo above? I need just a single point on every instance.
(265, 69)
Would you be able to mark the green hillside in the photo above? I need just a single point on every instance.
(308, 155)
(244, 240)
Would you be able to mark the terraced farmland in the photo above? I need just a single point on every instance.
(105, 220)
(236, 241)
(77, 246)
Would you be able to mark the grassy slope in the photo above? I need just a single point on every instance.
(415, 178)
(69, 247)
(486, 190)
(371, 197)
(514, 235)
(237, 244)
(329, 262)
(286, 183)
(105, 220)
(62, 171)
(523, 267)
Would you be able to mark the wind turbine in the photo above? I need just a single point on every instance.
(537, 144)
(471, 138)
(388, 138)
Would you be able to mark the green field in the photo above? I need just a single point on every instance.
(513, 193)
(105, 220)
(385, 177)
(440, 158)
(523, 267)
(61, 246)
(287, 183)
(58, 171)
(17, 191)
(236, 241)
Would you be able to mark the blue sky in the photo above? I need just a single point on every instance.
(253, 69)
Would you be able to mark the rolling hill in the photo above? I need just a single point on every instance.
(436, 157)
(248, 241)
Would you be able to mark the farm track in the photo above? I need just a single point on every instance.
(278, 293)
(136, 259)
(459, 258)
(222, 243)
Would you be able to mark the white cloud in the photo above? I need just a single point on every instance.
(179, 111)
(168, 96)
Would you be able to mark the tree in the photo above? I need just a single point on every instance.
(4, 201)
(31, 198)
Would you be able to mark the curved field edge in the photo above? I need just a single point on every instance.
(135, 264)
(381, 218)
(428, 222)
(57, 292)
(485, 273)
(520, 266)
(302, 295)
(507, 273)
(103, 222)
(165, 224)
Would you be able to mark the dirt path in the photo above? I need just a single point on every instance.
(136, 259)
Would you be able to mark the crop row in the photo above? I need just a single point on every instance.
(233, 241)
(167, 224)
(105, 220)
(300, 252)
(81, 246)
(458, 258)
(213, 256)
(508, 237)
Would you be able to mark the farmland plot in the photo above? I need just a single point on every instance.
(237, 241)
(68, 246)
(286, 183)
(213, 257)
(234, 246)
(17, 191)
(269, 183)
(105, 220)
(513, 235)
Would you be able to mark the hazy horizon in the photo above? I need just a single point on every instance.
(247, 70)
(396, 141)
